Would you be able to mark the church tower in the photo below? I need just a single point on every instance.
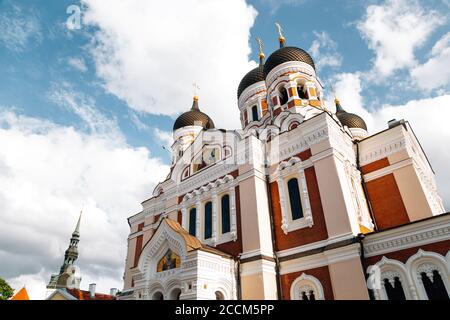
(68, 276)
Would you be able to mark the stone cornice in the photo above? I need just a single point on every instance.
(409, 236)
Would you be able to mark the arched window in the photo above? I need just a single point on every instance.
(225, 205)
(294, 199)
(302, 94)
(158, 296)
(219, 296)
(394, 289)
(284, 97)
(208, 220)
(434, 286)
(306, 287)
(255, 116)
(175, 294)
(192, 221)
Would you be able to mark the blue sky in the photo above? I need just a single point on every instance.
(84, 109)
(32, 68)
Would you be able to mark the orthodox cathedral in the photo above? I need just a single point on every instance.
(301, 203)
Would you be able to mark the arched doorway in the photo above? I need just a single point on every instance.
(219, 296)
(158, 296)
(175, 294)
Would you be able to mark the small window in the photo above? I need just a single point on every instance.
(225, 214)
(294, 199)
(284, 97)
(395, 291)
(192, 221)
(434, 287)
(255, 113)
(208, 220)
(302, 92)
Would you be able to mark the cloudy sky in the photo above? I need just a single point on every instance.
(87, 104)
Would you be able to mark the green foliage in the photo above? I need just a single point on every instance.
(6, 291)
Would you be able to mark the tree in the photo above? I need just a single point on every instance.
(6, 291)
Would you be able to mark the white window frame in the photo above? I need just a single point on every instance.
(306, 281)
(286, 171)
(212, 192)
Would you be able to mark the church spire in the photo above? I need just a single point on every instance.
(71, 253)
(281, 38)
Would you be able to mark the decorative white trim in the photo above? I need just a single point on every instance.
(409, 274)
(285, 169)
(306, 283)
(412, 235)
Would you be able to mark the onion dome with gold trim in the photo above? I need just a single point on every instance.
(194, 117)
(286, 54)
(253, 76)
(350, 120)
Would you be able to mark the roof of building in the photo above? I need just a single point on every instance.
(85, 295)
(287, 54)
(193, 117)
(192, 243)
(253, 76)
(22, 294)
(348, 119)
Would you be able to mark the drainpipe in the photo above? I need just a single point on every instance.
(272, 229)
(360, 238)
(238, 277)
(366, 193)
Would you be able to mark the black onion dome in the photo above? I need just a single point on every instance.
(350, 120)
(286, 54)
(252, 77)
(193, 117)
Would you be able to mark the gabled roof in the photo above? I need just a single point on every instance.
(22, 294)
(85, 295)
(77, 294)
(192, 243)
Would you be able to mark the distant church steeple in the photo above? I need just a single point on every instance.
(71, 253)
(67, 277)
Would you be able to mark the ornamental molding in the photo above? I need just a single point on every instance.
(413, 235)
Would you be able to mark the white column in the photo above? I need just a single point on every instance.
(281, 191)
(215, 206)
(184, 218)
(305, 199)
(233, 226)
(198, 206)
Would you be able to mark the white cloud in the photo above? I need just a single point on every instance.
(149, 53)
(18, 26)
(47, 172)
(435, 72)
(164, 137)
(134, 117)
(324, 51)
(394, 30)
(420, 114)
(84, 107)
(77, 63)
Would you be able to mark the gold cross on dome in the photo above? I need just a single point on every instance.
(280, 30)
(196, 89)
(260, 45)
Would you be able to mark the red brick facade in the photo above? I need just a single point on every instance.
(302, 236)
(387, 204)
(374, 166)
(322, 274)
(234, 248)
